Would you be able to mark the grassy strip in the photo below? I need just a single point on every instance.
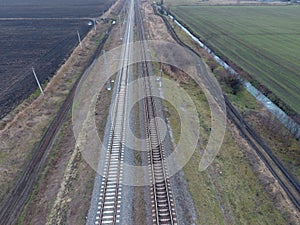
(229, 191)
(75, 197)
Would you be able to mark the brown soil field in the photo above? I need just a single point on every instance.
(39, 35)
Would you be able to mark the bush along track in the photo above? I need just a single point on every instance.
(16, 199)
(287, 182)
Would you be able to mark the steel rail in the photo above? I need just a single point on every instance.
(163, 207)
(109, 204)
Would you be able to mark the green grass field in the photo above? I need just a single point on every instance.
(263, 40)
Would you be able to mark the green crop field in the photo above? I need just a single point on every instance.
(262, 40)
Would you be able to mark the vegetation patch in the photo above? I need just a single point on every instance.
(228, 191)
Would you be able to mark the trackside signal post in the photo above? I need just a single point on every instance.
(106, 71)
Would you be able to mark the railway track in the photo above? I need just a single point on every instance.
(287, 182)
(163, 207)
(109, 204)
(111, 186)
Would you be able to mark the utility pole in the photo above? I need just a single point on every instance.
(79, 39)
(37, 80)
(106, 71)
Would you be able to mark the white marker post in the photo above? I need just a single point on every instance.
(95, 24)
(106, 71)
(79, 39)
(37, 80)
(160, 84)
(120, 27)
